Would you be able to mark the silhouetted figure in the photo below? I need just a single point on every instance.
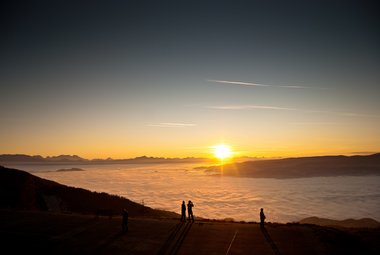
(124, 224)
(183, 211)
(190, 206)
(262, 217)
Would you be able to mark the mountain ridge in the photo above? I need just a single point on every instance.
(318, 166)
(75, 159)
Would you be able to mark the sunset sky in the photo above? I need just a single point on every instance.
(123, 79)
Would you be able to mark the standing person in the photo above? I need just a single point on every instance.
(190, 206)
(124, 224)
(262, 217)
(183, 211)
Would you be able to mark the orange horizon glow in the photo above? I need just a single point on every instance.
(263, 140)
(196, 152)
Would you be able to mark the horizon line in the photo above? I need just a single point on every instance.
(358, 153)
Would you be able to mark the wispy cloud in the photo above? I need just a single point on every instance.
(247, 107)
(258, 84)
(350, 114)
(311, 123)
(354, 114)
(171, 125)
(279, 108)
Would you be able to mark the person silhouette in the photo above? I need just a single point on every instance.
(190, 206)
(124, 224)
(262, 217)
(183, 211)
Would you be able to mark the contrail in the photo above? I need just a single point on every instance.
(270, 107)
(258, 84)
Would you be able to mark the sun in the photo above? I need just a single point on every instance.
(222, 151)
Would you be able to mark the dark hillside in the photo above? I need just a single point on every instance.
(21, 190)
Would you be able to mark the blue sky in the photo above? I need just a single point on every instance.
(171, 78)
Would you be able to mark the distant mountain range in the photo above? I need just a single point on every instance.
(348, 223)
(302, 167)
(358, 165)
(24, 191)
(74, 159)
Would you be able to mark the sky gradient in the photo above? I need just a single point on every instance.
(129, 78)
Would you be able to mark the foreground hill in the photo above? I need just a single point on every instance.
(303, 167)
(21, 190)
(34, 218)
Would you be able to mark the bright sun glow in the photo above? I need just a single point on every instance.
(222, 151)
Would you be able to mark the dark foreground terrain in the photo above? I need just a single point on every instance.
(23, 191)
(38, 216)
(56, 233)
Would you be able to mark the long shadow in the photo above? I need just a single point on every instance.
(170, 238)
(270, 241)
(83, 227)
(102, 247)
(181, 238)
